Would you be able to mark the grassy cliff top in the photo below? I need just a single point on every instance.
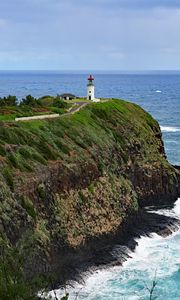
(24, 147)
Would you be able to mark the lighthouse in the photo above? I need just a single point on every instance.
(90, 88)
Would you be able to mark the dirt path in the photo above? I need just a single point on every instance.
(71, 111)
(76, 108)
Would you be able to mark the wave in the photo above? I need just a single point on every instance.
(154, 255)
(158, 91)
(169, 129)
(174, 213)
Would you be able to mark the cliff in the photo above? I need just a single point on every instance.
(79, 178)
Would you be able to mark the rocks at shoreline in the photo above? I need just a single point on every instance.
(75, 186)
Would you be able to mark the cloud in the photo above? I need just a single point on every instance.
(130, 4)
(95, 34)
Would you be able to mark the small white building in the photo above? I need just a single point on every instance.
(90, 89)
(67, 96)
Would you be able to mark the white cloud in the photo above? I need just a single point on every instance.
(81, 34)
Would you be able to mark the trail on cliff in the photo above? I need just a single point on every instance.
(75, 182)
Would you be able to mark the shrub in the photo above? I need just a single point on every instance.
(14, 283)
(47, 150)
(59, 103)
(7, 173)
(58, 110)
(91, 188)
(30, 101)
(41, 191)
(29, 207)
(18, 162)
(2, 151)
(13, 160)
(9, 101)
(62, 146)
(39, 158)
(24, 151)
(82, 197)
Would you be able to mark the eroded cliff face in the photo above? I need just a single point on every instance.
(109, 162)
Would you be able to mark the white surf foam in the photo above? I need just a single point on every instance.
(174, 213)
(153, 255)
(169, 129)
(176, 208)
(158, 91)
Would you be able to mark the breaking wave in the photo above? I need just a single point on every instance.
(153, 255)
(170, 129)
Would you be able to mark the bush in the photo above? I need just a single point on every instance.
(39, 158)
(31, 154)
(59, 103)
(62, 146)
(17, 161)
(41, 191)
(91, 188)
(7, 173)
(30, 101)
(14, 284)
(9, 101)
(24, 151)
(82, 199)
(29, 207)
(2, 151)
(47, 150)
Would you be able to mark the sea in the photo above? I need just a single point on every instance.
(155, 258)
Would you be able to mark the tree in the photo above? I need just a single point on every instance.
(9, 101)
(30, 101)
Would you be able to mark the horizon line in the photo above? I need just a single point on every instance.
(91, 70)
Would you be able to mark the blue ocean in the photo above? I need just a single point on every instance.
(159, 94)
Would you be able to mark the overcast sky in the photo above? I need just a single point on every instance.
(90, 34)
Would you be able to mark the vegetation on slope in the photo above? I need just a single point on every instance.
(11, 108)
(79, 176)
(91, 137)
(98, 126)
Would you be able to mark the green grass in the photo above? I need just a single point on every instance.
(98, 126)
(48, 106)
(29, 207)
(7, 118)
(73, 178)
(77, 166)
(7, 173)
(9, 113)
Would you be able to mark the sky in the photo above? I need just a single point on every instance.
(89, 35)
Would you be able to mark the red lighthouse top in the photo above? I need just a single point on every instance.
(91, 78)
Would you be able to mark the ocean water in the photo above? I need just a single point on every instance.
(154, 257)
(159, 94)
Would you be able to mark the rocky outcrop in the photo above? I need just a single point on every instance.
(106, 163)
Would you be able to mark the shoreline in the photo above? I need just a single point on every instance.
(114, 251)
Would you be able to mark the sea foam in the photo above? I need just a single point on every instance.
(169, 129)
(154, 256)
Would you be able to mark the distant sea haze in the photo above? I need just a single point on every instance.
(158, 93)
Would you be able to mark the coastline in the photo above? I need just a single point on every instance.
(114, 250)
(98, 169)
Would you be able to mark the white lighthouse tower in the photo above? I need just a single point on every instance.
(90, 88)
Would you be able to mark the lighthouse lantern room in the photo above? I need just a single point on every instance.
(90, 88)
